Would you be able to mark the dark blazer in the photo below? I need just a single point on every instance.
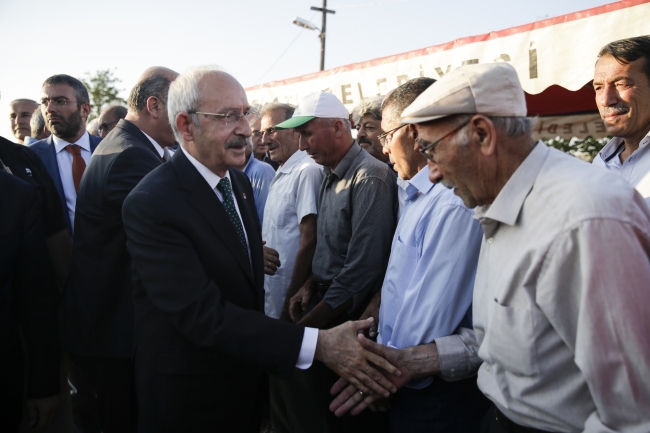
(98, 305)
(28, 296)
(45, 150)
(202, 339)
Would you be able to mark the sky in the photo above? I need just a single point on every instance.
(255, 41)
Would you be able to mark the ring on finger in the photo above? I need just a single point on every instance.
(362, 394)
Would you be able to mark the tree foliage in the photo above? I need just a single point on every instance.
(586, 149)
(102, 90)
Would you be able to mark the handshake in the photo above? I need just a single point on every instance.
(369, 371)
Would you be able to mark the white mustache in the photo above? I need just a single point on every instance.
(617, 109)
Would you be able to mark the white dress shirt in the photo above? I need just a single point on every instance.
(561, 298)
(158, 147)
(310, 337)
(293, 194)
(64, 161)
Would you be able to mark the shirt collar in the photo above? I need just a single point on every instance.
(157, 146)
(510, 200)
(421, 181)
(293, 161)
(346, 162)
(210, 177)
(613, 147)
(83, 142)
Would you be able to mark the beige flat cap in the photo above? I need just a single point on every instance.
(492, 89)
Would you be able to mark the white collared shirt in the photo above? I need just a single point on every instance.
(293, 194)
(157, 146)
(310, 337)
(64, 161)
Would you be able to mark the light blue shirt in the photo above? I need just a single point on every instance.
(634, 168)
(428, 287)
(260, 174)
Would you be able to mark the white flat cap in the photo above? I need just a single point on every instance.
(492, 89)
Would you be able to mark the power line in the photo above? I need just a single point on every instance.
(283, 53)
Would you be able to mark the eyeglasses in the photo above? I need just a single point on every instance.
(105, 125)
(428, 149)
(57, 102)
(384, 139)
(267, 131)
(231, 117)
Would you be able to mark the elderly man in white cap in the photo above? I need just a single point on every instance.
(561, 292)
(356, 219)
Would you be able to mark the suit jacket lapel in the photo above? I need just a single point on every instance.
(137, 133)
(52, 167)
(204, 200)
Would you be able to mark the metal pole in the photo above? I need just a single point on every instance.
(322, 37)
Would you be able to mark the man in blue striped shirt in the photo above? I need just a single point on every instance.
(426, 296)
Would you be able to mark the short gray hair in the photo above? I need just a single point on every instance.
(184, 94)
(37, 123)
(510, 126)
(329, 121)
(287, 109)
(156, 85)
(368, 107)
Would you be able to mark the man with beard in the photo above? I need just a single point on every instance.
(98, 306)
(20, 114)
(65, 106)
(622, 84)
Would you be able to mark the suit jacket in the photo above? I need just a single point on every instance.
(46, 151)
(98, 304)
(28, 295)
(202, 339)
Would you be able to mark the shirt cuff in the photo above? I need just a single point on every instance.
(307, 349)
(453, 355)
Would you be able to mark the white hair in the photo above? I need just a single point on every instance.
(184, 94)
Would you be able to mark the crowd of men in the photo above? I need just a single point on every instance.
(204, 265)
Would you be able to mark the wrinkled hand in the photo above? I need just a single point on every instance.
(341, 350)
(40, 410)
(350, 399)
(271, 259)
(300, 301)
(372, 310)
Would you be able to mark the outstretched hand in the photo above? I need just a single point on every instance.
(350, 399)
(341, 350)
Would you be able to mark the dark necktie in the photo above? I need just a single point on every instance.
(229, 204)
(78, 164)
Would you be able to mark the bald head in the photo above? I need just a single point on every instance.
(109, 118)
(155, 82)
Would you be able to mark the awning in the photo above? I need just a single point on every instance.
(554, 59)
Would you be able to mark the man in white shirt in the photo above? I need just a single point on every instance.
(622, 85)
(289, 228)
(561, 291)
(65, 105)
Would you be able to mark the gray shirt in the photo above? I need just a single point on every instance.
(356, 219)
(561, 298)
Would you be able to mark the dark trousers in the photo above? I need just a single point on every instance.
(301, 405)
(449, 407)
(496, 422)
(12, 382)
(104, 400)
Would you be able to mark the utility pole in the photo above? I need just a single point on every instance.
(325, 11)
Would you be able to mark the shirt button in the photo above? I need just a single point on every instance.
(490, 240)
(487, 368)
(453, 370)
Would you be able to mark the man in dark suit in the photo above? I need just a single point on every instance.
(202, 340)
(98, 305)
(28, 307)
(65, 106)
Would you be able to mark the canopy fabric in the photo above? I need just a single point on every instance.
(557, 54)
